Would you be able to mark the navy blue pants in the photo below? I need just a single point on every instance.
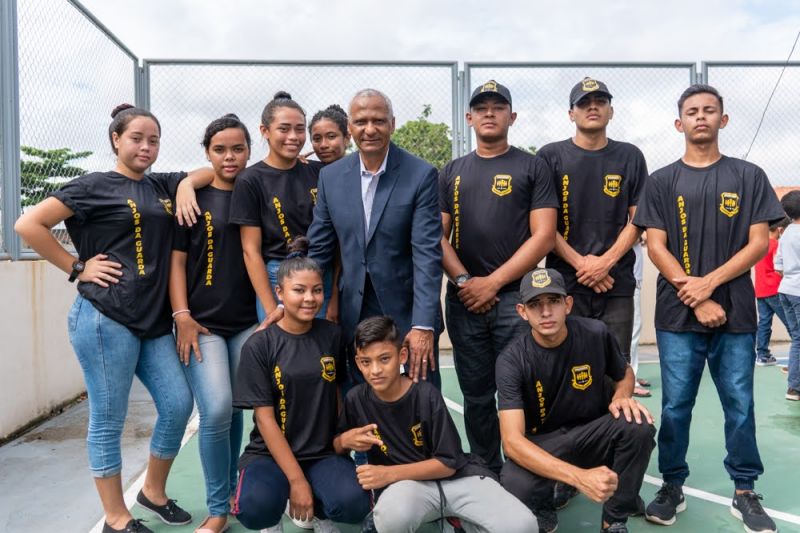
(264, 490)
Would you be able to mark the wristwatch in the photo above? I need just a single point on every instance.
(77, 268)
(461, 278)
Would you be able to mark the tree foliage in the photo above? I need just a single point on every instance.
(432, 142)
(45, 170)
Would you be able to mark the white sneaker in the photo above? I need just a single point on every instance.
(324, 526)
(274, 529)
(302, 524)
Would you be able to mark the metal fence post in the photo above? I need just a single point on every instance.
(143, 85)
(9, 103)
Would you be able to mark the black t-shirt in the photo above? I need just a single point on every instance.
(280, 202)
(299, 376)
(595, 189)
(563, 386)
(221, 297)
(131, 221)
(414, 428)
(707, 214)
(489, 201)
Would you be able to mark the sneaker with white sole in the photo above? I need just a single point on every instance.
(668, 503)
(769, 360)
(793, 394)
(747, 508)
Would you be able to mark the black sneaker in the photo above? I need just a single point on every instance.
(747, 508)
(616, 527)
(133, 526)
(547, 519)
(562, 494)
(668, 503)
(169, 513)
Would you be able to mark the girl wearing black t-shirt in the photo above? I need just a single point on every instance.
(273, 200)
(121, 224)
(289, 375)
(214, 308)
(330, 139)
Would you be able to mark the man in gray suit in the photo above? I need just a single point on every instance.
(380, 206)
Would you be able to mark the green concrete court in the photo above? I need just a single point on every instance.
(778, 436)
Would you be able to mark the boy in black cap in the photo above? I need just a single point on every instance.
(416, 464)
(598, 181)
(498, 212)
(707, 218)
(556, 420)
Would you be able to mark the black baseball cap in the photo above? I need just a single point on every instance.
(541, 281)
(587, 86)
(493, 88)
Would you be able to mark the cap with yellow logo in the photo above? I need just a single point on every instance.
(585, 87)
(541, 281)
(493, 88)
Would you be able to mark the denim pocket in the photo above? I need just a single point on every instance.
(72, 316)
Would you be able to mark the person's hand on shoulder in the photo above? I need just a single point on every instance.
(273, 317)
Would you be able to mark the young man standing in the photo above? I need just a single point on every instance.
(707, 219)
(498, 212)
(556, 418)
(598, 181)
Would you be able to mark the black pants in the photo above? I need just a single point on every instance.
(477, 341)
(615, 311)
(622, 446)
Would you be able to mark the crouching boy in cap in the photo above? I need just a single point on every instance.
(416, 464)
(556, 420)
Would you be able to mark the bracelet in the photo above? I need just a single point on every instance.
(176, 313)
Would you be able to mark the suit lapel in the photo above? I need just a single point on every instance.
(386, 185)
(352, 184)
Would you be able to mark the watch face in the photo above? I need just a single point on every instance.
(78, 266)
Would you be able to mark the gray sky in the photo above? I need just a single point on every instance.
(543, 30)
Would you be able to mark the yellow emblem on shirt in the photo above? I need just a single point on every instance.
(612, 184)
(581, 377)
(501, 184)
(729, 205)
(416, 434)
(328, 367)
(167, 203)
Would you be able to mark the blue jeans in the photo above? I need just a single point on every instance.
(272, 273)
(730, 359)
(791, 307)
(767, 307)
(221, 426)
(477, 341)
(110, 355)
(264, 490)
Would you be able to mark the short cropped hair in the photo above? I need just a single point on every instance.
(780, 224)
(791, 204)
(377, 329)
(699, 88)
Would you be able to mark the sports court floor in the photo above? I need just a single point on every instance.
(708, 489)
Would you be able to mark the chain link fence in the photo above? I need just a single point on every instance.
(745, 89)
(72, 73)
(186, 96)
(644, 100)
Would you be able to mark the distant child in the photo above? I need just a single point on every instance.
(769, 304)
(787, 262)
(413, 447)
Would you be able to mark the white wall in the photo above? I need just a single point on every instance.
(38, 369)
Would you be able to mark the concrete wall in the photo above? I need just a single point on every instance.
(38, 369)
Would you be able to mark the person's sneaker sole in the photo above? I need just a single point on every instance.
(795, 397)
(766, 363)
(681, 507)
(736, 513)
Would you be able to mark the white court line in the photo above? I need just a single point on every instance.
(130, 494)
(697, 493)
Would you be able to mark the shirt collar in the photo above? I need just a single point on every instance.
(381, 170)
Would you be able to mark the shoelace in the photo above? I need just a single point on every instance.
(171, 507)
(666, 492)
(753, 503)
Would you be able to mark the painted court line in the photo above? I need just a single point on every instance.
(697, 493)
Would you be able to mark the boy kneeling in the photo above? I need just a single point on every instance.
(413, 448)
(556, 421)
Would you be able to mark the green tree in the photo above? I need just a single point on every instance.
(530, 149)
(45, 170)
(432, 142)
